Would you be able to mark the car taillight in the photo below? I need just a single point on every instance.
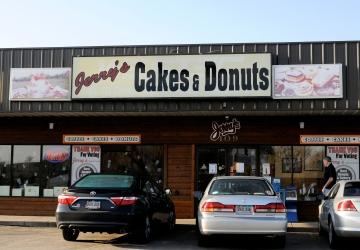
(217, 207)
(270, 208)
(66, 199)
(124, 201)
(346, 205)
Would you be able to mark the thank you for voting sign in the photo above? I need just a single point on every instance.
(85, 160)
(345, 160)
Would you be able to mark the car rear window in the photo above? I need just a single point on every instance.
(241, 187)
(106, 181)
(352, 189)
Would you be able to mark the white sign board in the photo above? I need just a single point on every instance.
(101, 139)
(307, 81)
(172, 76)
(330, 139)
(212, 168)
(240, 167)
(266, 169)
(345, 160)
(40, 84)
(85, 160)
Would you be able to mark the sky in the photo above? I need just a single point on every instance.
(63, 23)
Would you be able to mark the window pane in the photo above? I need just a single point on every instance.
(5, 160)
(352, 189)
(240, 187)
(313, 158)
(26, 171)
(56, 172)
(106, 181)
(136, 158)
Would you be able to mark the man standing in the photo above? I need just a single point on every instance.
(329, 175)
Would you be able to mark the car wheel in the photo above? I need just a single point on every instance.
(333, 238)
(143, 234)
(171, 221)
(321, 230)
(280, 241)
(70, 234)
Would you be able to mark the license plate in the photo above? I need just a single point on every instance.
(244, 209)
(92, 205)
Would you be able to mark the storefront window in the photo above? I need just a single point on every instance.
(56, 173)
(138, 158)
(299, 167)
(5, 160)
(26, 171)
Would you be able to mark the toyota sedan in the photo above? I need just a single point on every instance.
(114, 203)
(241, 205)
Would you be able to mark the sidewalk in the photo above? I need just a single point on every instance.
(49, 221)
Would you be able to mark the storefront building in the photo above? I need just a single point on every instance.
(183, 113)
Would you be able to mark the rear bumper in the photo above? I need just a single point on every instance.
(98, 221)
(95, 226)
(270, 225)
(347, 224)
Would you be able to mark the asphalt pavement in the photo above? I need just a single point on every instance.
(183, 237)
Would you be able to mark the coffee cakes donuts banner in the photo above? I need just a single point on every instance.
(310, 81)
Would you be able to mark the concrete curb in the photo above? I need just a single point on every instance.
(28, 223)
(292, 227)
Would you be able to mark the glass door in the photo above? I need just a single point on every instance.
(242, 161)
(224, 160)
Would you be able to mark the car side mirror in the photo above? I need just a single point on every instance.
(167, 191)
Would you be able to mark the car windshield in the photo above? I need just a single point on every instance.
(106, 181)
(352, 189)
(241, 187)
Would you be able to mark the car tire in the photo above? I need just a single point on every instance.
(332, 237)
(70, 234)
(280, 241)
(171, 221)
(143, 234)
(321, 230)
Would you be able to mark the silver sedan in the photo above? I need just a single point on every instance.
(241, 205)
(339, 212)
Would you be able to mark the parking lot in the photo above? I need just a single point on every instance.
(184, 237)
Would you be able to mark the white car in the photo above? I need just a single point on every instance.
(241, 205)
(339, 212)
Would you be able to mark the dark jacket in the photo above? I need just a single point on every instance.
(330, 172)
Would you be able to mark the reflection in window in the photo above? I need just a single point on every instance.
(26, 171)
(298, 166)
(141, 159)
(5, 160)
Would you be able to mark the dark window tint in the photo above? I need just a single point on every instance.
(240, 187)
(352, 189)
(106, 181)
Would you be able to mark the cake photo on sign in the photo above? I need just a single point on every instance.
(311, 81)
(39, 84)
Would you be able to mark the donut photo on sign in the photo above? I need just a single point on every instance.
(313, 81)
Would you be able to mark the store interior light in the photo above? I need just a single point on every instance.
(51, 125)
